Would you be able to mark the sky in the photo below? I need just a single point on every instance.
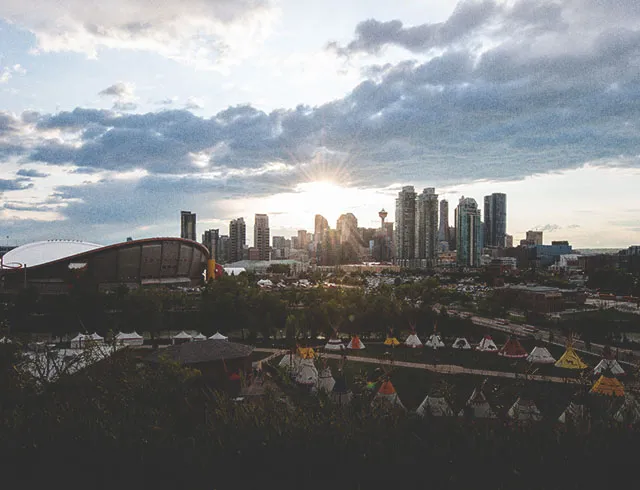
(115, 116)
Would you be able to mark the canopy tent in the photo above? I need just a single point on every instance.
(435, 342)
(307, 374)
(540, 355)
(325, 380)
(573, 414)
(435, 406)
(607, 386)
(413, 341)
(523, 410)
(218, 336)
(131, 338)
(570, 360)
(610, 365)
(199, 336)
(461, 343)
(306, 352)
(629, 412)
(78, 342)
(95, 337)
(355, 343)
(487, 345)
(387, 398)
(181, 337)
(391, 341)
(478, 406)
(340, 394)
(334, 344)
(512, 349)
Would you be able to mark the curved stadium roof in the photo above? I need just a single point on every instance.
(38, 253)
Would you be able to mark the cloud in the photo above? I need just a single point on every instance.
(573, 227)
(15, 185)
(124, 106)
(26, 172)
(550, 228)
(7, 72)
(120, 90)
(202, 32)
(194, 103)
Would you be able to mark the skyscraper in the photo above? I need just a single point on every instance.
(279, 245)
(210, 239)
(468, 233)
(405, 231)
(188, 225)
(321, 225)
(223, 247)
(261, 236)
(443, 230)
(303, 240)
(534, 237)
(237, 239)
(427, 225)
(495, 220)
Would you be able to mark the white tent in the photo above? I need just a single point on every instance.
(435, 342)
(355, 343)
(265, 283)
(487, 345)
(325, 380)
(610, 365)
(540, 355)
(479, 406)
(307, 373)
(78, 342)
(435, 406)
(461, 343)
(95, 337)
(629, 412)
(524, 410)
(132, 338)
(199, 336)
(5, 340)
(334, 344)
(181, 337)
(574, 413)
(413, 341)
(218, 336)
(290, 362)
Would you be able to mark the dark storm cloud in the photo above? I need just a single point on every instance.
(30, 172)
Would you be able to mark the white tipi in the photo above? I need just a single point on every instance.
(334, 344)
(461, 343)
(412, 340)
(524, 410)
(540, 355)
(478, 406)
(573, 414)
(387, 398)
(435, 406)
(435, 342)
(487, 345)
(325, 380)
(629, 412)
(608, 365)
(307, 374)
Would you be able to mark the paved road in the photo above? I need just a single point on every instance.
(437, 368)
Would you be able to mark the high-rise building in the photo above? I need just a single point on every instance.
(188, 225)
(534, 237)
(427, 226)
(405, 231)
(261, 236)
(303, 239)
(443, 230)
(321, 226)
(279, 244)
(237, 239)
(468, 233)
(509, 241)
(223, 247)
(211, 240)
(495, 220)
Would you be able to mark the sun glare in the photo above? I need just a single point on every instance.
(325, 198)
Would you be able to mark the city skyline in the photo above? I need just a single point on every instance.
(240, 108)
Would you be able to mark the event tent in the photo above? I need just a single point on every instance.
(181, 337)
(610, 365)
(199, 336)
(131, 338)
(413, 341)
(435, 406)
(218, 336)
(540, 355)
(478, 406)
(461, 343)
(523, 410)
(78, 342)
(570, 360)
(512, 349)
(487, 345)
(355, 343)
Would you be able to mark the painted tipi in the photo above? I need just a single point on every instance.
(434, 341)
(477, 406)
(461, 343)
(570, 359)
(575, 413)
(325, 380)
(412, 340)
(387, 398)
(512, 349)
(629, 412)
(540, 355)
(487, 345)
(391, 340)
(524, 410)
(307, 374)
(435, 406)
(607, 385)
(334, 344)
(355, 343)
(610, 365)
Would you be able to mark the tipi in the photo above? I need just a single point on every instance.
(412, 340)
(570, 359)
(340, 394)
(608, 386)
(524, 410)
(434, 341)
(334, 344)
(307, 374)
(391, 340)
(540, 355)
(290, 362)
(487, 345)
(325, 380)
(306, 352)
(435, 406)
(355, 343)
(478, 406)
(610, 365)
(629, 412)
(574, 413)
(461, 343)
(512, 349)
(387, 398)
